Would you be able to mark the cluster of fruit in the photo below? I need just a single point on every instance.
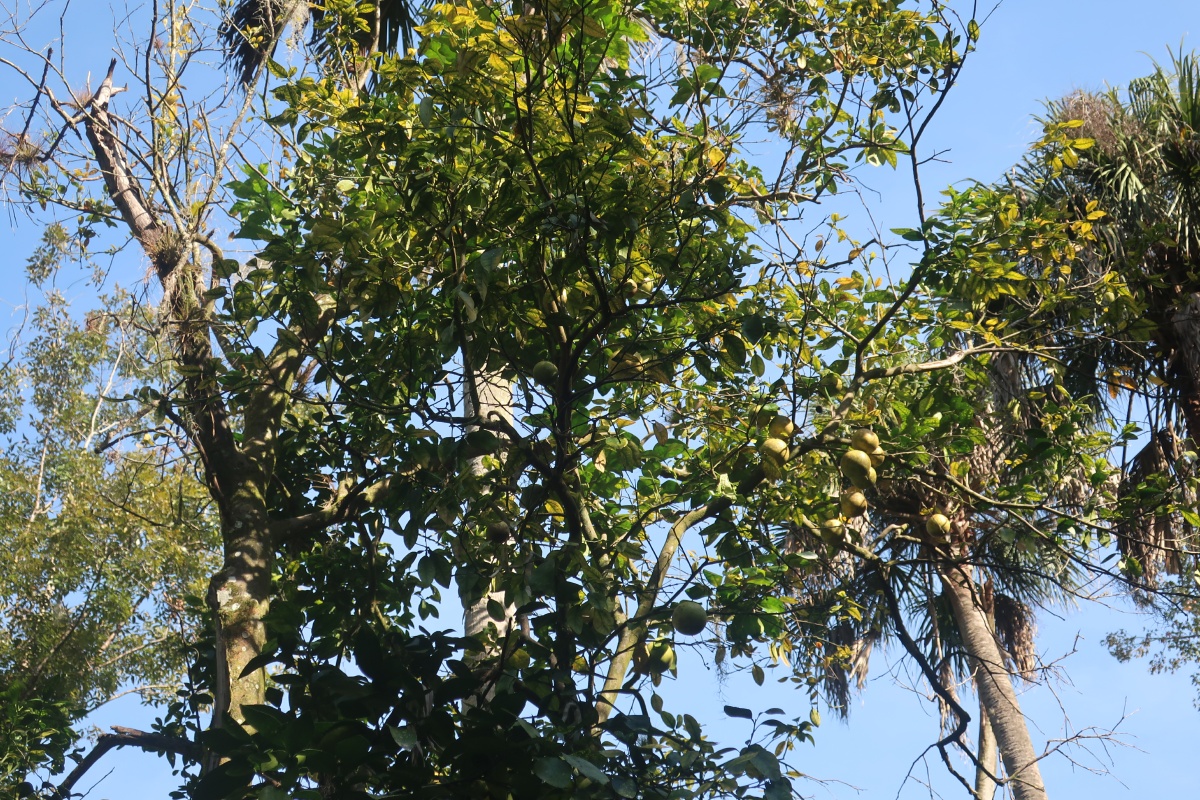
(858, 465)
(688, 618)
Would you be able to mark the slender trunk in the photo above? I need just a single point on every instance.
(985, 786)
(994, 684)
(493, 395)
(986, 754)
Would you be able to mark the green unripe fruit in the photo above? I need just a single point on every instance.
(938, 526)
(864, 439)
(831, 382)
(661, 657)
(853, 503)
(856, 466)
(689, 618)
(832, 530)
(774, 450)
(877, 456)
(545, 373)
(781, 427)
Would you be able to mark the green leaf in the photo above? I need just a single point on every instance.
(554, 771)
(496, 610)
(624, 786)
(586, 768)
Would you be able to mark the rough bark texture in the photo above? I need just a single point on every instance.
(239, 595)
(993, 681)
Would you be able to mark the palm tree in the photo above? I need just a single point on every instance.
(962, 606)
(253, 30)
(1144, 170)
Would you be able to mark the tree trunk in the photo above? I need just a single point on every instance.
(494, 397)
(237, 471)
(985, 786)
(239, 595)
(994, 683)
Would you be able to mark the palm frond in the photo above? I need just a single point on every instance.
(1149, 533)
(253, 29)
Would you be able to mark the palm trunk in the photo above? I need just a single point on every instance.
(985, 786)
(994, 683)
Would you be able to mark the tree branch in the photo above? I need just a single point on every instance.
(126, 737)
(346, 502)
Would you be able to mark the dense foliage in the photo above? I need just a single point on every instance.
(535, 324)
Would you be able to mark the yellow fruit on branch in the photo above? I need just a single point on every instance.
(853, 503)
(781, 427)
(774, 450)
(877, 456)
(864, 439)
(856, 466)
(832, 530)
(938, 526)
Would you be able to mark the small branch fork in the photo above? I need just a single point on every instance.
(126, 737)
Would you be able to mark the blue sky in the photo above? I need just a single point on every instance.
(1029, 51)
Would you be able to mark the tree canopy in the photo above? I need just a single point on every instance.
(540, 315)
